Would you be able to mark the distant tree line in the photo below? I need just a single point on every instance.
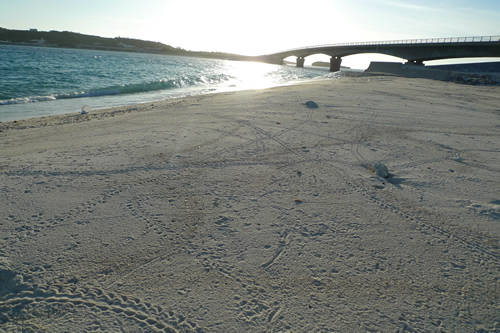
(73, 39)
(67, 39)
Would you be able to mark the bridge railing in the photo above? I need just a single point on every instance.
(412, 41)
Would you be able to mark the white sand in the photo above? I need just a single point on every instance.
(249, 212)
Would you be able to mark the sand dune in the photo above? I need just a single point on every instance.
(250, 212)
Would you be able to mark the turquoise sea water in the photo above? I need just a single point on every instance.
(36, 81)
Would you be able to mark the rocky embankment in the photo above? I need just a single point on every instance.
(487, 73)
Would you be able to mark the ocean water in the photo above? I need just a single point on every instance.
(37, 81)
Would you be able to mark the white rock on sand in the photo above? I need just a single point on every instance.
(380, 170)
(85, 109)
(184, 215)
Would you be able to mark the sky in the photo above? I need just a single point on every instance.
(255, 27)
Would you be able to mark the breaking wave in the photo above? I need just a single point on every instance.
(163, 84)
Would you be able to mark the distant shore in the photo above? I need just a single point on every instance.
(67, 39)
(210, 55)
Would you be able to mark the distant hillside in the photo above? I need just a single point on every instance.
(67, 39)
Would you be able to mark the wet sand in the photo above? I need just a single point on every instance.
(251, 212)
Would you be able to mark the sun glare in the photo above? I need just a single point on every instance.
(250, 75)
(248, 28)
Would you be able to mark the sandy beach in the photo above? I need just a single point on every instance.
(253, 212)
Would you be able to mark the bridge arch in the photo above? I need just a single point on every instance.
(355, 61)
(414, 51)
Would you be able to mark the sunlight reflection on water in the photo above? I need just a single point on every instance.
(250, 75)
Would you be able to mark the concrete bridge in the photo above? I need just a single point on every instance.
(415, 51)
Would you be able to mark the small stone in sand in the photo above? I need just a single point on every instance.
(86, 109)
(380, 170)
(311, 105)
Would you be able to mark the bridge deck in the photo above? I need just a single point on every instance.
(413, 50)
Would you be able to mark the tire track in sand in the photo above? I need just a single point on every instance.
(47, 304)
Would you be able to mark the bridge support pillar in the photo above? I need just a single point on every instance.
(335, 64)
(300, 61)
(415, 62)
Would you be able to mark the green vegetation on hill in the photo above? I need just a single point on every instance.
(67, 39)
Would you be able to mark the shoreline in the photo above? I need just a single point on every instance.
(468, 77)
(73, 105)
(443, 75)
(252, 211)
(144, 105)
